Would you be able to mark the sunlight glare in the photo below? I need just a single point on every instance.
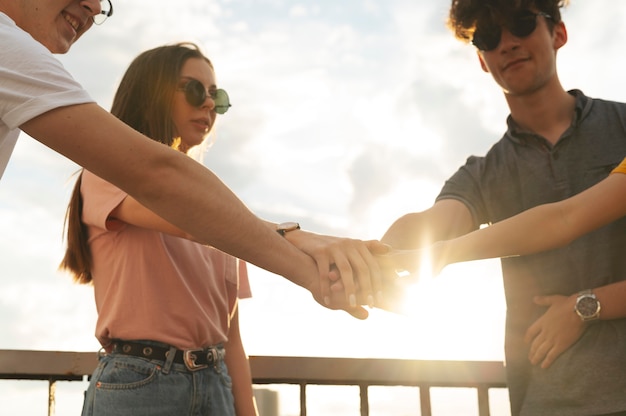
(417, 288)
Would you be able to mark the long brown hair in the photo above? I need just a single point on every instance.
(143, 100)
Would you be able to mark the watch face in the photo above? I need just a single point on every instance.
(587, 306)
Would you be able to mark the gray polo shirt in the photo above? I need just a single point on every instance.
(521, 171)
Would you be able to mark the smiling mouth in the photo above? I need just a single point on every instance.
(72, 21)
(515, 62)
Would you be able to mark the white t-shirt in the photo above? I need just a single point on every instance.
(32, 82)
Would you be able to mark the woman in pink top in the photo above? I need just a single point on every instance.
(167, 306)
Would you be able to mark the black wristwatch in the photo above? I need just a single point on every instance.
(285, 227)
(587, 306)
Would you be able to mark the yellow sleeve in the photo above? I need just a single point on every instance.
(621, 168)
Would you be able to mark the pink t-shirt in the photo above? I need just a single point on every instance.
(154, 286)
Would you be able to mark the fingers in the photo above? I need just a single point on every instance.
(543, 300)
(377, 248)
(554, 332)
(359, 271)
(336, 285)
(347, 265)
(337, 302)
(544, 352)
(343, 265)
(323, 267)
(374, 273)
(532, 332)
(539, 344)
(538, 351)
(358, 312)
(551, 355)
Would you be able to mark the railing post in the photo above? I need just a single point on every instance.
(483, 400)
(425, 400)
(365, 400)
(52, 387)
(303, 399)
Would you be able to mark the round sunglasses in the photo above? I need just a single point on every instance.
(522, 24)
(196, 95)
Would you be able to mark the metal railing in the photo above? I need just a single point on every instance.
(54, 366)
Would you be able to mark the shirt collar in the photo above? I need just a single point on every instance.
(581, 109)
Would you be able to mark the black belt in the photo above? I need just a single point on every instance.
(192, 359)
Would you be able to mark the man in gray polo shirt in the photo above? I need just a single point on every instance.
(558, 143)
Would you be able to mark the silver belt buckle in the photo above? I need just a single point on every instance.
(190, 357)
(214, 355)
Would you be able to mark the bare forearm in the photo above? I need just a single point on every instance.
(445, 220)
(164, 180)
(612, 300)
(546, 226)
(538, 229)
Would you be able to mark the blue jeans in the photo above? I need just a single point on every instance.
(124, 385)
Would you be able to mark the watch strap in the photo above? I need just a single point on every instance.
(285, 227)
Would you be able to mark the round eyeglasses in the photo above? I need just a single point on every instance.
(106, 10)
(521, 24)
(196, 95)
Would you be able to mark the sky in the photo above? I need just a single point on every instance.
(346, 115)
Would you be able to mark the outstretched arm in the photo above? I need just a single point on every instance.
(446, 219)
(537, 229)
(348, 256)
(164, 181)
(541, 228)
(413, 234)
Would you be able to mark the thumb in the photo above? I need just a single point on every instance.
(359, 312)
(543, 300)
(377, 248)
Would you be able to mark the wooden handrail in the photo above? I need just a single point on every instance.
(69, 365)
(54, 366)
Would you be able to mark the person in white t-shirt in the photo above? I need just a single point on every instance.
(38, 96)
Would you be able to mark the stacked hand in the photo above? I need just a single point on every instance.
(349, 265)
(394, 270)
(353, 272)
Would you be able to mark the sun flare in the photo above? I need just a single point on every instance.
(456, 315)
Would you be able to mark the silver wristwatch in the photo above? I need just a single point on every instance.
(587, 306)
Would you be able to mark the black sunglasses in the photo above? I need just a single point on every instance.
(196, 95)
(521, 24)
(104, 12)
